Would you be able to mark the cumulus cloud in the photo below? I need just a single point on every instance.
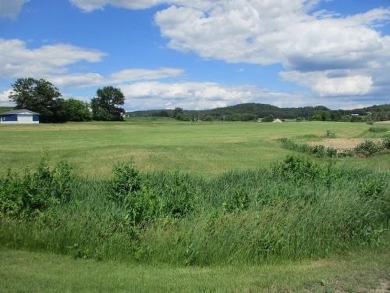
(16, 60)
(4, 95)
(90, 5)
(198, 95)
(11, 8)
(308, 41)
(144, 74)
(309, 45)
(262, 32)
(77, 79)
(332, 83)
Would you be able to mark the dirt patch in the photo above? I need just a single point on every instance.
(340, 144)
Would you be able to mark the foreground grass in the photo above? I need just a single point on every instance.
(202, 148)
(36, 272)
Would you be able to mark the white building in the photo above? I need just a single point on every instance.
(21, 116)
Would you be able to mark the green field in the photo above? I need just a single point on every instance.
(220, 207)
(202, 148)
(36, 272)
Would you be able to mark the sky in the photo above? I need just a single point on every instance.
(202, 54)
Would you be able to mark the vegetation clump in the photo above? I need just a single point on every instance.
(295, 209)
(364, 149)
(34, 192)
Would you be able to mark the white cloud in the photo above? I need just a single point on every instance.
(120, 77)
(344, 86)
(11, 8)
(198, 95)
(263, 32)
(90, 5)
(308, 41)
(16, 60)
(144, 74)
(53, 61)
(308, 44)
(4, 95)
(77, 80)
(332, 83)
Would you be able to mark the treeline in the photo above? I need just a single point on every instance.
(267, 113)
(43, 97)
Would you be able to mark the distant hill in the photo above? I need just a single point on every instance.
(253, 111)
(5, 109)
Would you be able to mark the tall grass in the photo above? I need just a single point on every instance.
(294, 209)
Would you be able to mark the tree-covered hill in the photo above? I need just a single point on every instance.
(253, 112)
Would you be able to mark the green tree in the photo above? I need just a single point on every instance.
(39, 96)
(106, 105)
(269, 118)
(178, 113)
(76, 110)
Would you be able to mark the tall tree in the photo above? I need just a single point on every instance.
(76, 110)
(106, 105)
(39, 96)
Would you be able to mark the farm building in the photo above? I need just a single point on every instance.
(19, 116)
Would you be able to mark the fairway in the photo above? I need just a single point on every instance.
(200, 148)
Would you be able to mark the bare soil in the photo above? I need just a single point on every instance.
(340, 144)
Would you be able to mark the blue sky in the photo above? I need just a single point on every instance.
(202, 54)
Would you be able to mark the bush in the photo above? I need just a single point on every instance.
(386, 143)
(33, 192)
(318, 151)
(296, 169)
(296, 209)
(125, 182)
(368, 148)
(147, 198)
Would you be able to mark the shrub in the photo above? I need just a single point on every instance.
(368, 148)
(34, 192)
(174, 193)
(125, 189)
(147, 198)
(238, 201)
(125, 182)
(386, 143)
(296, 169)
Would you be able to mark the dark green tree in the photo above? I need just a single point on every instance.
(76, 110)
(178, 113)
(269, 118)
(106, 105)
(39, 96)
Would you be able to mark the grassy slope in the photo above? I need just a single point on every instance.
(35, 272)
(204, 148)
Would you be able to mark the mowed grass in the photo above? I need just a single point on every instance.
(36, 272)
(202, 148)
(197, 148)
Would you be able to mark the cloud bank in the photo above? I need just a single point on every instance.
(310, 43)
(332, 55)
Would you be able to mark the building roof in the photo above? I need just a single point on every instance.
(20, 112)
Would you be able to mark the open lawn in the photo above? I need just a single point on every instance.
(202, 148)
(254, 221)
(35, 272)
